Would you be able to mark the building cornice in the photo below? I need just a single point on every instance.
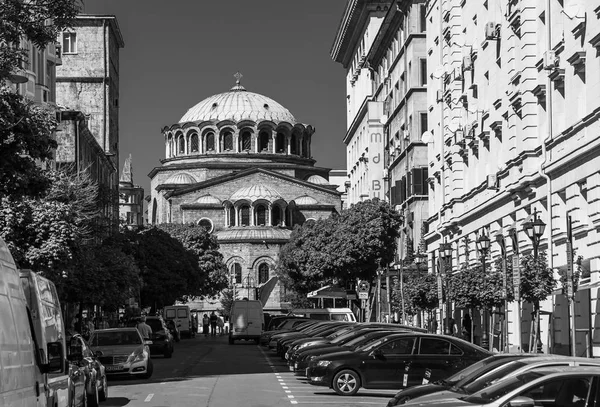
(362, 111)
(112, 20)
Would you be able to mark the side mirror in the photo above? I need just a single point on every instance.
(75, 353)
(99, 353)
(147, 342)
(521, 401)
(56, 358)
(377, 353)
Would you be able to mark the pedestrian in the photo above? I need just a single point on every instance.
(205, 324)
(467, 326)
(213, 323)
(144, 328)
(452, 328)
(226, 322)
(220, 324)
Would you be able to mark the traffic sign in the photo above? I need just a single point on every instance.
(363, 286)
(363, 295)
(516, 276)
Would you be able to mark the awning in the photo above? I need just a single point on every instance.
(329, 291)
(264, 290)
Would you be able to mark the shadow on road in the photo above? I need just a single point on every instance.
(360, 393)
(116, 402)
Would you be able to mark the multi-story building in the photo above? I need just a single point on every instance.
(514, 134)
(88, 81)
(131, 197)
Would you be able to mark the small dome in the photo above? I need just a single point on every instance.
(208, 199)
(305, 200)
(256, 192)
(181, 178)
(317, 179)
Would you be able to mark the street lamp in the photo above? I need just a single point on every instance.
(483, 245)
(502, 244)
(248, 281)
(400, 269)
(535, 231)
(445, 250)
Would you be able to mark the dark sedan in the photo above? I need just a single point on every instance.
(265, 337)
(162, 339)
(393, 362)
(323, 333)
(87, 376)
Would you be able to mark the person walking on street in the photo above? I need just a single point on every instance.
(220, 324)
(205, 324)
(213, 323)
(144, 328)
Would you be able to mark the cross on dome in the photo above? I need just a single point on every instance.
(238, 76)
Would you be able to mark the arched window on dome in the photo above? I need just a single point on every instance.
(263, 273)
(170, 146)
(245, 215)
(246, 141)
(305, 147)
(227, 141)
(231, 216)
(180, 145)
(280, 143)
(210, 141)
(263, 141)
(294, 144)
(194, 145)
(276, 215)
(260, 215)
(154, 210)
(236, 273)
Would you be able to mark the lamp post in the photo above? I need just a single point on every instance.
(502, 243)
(534, 231)
(483, 245)
(419, 259)
(248, 281)
(400, 270)
(445, 257)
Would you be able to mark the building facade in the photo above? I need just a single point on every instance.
(240, 164)
(514, 134)
(131, 198)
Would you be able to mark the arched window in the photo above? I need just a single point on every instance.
(227, 141)
(275, 215)
(181, 145)
(280, 143)
(245, 215)
(261, 215)
(194, 145)
(206, 224)
(231, 216)
(263, 273)
(263, 141)
(236, 273)
(246, 141)
(304, 147)
(294, 144)
(210, 141)
(154, 208)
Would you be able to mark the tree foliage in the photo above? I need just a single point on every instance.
(420, 294)
(537, 279)
(345, 247)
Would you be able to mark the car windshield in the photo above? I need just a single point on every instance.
(497, 390)
(475, 371)
(344, 338)
(492, 377)
(155, 324)
(337, 335)
(367, 347)
(115, 338)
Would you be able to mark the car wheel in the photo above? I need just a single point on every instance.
(93, 398)
(103, 395)
(168, 353)
(346, 383)
(149, 370)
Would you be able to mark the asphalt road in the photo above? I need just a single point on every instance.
(208, 372)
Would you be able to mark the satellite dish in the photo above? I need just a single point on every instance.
(427, 137)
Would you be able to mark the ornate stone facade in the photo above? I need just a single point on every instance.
(240, 164)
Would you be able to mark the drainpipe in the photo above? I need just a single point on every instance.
(542, 170)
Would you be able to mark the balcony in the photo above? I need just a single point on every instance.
(18, 75)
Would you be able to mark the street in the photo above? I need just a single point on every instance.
(208, 372)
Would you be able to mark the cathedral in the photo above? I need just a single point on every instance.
(239, 164)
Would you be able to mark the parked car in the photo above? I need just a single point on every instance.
(182, 317)
(552, 386)
(421, 357)
(297, 330)
(87, 376)
(309, 331)
(289, 325)
(173, 329)
(320, 334)
(122, 351)
(505, 371)
(162, 340)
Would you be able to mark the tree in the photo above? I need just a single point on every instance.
(420, 294)
(226, 302)
(26, 129)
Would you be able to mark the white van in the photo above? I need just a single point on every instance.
(32, 368)
(181, 315)
(246, 320)
(325, 314)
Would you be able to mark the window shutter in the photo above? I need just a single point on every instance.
(417, 181)
(425, 176)
(403, 189)
(393, 196)
(409, 190)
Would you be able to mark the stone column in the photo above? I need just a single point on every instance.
(252, 214)
(274, 141)
(288, 147)
(236, 141)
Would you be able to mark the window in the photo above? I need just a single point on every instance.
(422, 18)
(430, 346)
(245, 215)
(280, 143)
(231, 216)
(275, 215)
(261, 215)
(263, 141)
(423, 71)
(294, 144)
(403, 346)
(194, 143)
(182, 313)
(69, 43)
(263, 273)
(206, 224)
(180, 145)
(236, 272)
(246, 141)
(227, 141)
(210, 141)
(423, 122)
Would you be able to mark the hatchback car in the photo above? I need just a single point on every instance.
(87, 376)
(122, 351)
(162, 340)
(393, 362)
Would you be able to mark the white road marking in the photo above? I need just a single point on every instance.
(288, 391)
(290, 396)
(293, 402)
(149, 397)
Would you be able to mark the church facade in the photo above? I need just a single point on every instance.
(239, 164)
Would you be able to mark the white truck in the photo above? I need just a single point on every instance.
(33, 367)
(246, 320)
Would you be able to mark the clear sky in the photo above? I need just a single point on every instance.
(180, 52)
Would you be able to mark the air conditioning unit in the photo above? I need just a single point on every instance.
(490, 31)
(550, 60)
(467, 62)
(492, 181)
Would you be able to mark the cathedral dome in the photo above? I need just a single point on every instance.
(238, 104)
(256, 192)
(317, 179)
(181, 178)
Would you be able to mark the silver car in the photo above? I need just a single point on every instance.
(122, 351)
(572, 386)
(505, 372)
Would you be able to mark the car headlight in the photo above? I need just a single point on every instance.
(137, 356)
(304, 345)
(324, 363)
